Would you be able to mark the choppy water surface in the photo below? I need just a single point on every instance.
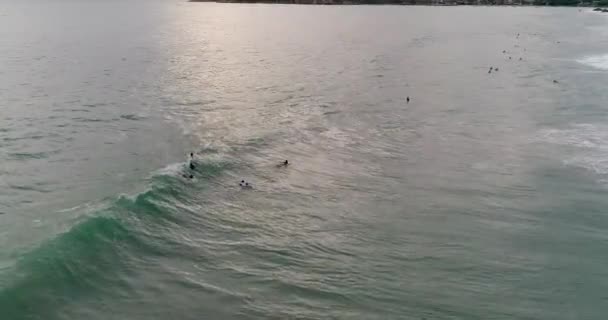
(482, 198)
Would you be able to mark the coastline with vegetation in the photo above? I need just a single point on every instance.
(569, 3)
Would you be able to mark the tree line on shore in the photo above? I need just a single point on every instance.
(581, 3)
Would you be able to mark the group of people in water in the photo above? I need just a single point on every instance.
(243, 184)
(520, 58)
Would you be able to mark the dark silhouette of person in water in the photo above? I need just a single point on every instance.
(283, 164)
(188, 176)
(407, 99)
(191, 164)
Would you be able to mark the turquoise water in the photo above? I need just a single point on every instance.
(482, 198)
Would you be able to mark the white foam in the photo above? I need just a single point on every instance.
(580, 135)
(590, 140)
(598, 61)
(174, 169)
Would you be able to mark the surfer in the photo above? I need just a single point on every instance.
(283, 164)
(187, 176)
(191, 164)
(407, 99)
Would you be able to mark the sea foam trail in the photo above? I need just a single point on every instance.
(589, 142)
(598, 61)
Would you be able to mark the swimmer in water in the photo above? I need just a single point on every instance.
(407, 99)
(283, 164)
(191, 165)
(242, 183)
(188, 176)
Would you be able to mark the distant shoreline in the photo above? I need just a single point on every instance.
(440, 3)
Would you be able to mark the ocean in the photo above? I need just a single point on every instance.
(483, 197)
